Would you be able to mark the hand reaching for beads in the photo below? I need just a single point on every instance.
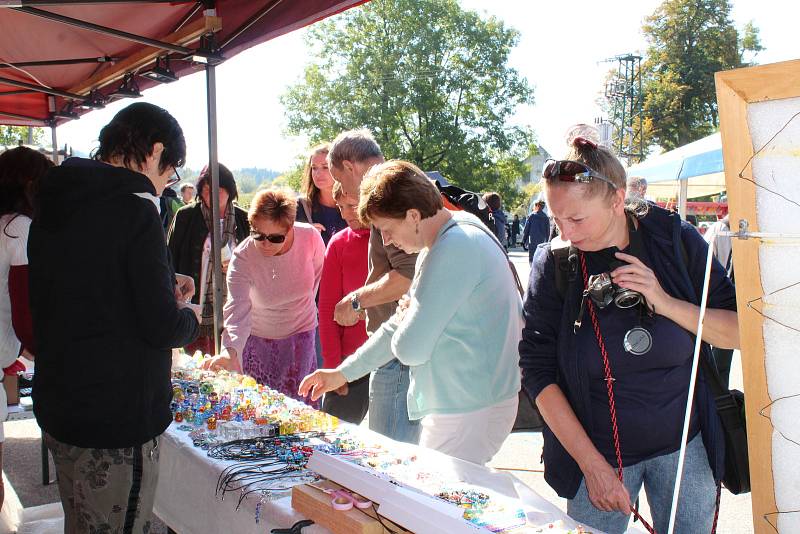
(227, 359)
(321, 381)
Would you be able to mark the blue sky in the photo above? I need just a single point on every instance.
(561, 51)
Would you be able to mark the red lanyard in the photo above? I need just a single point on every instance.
(609, 386)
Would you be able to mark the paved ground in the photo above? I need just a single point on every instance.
(520, 454)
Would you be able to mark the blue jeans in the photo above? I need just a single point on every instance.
(318, 347)
(388, 406)
(696, 502)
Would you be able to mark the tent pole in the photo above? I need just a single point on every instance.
(683, 193)
(216, 236)
(55, 142)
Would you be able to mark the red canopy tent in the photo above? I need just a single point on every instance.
(60, 59)
(76, 51)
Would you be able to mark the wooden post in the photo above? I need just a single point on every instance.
(735, 91)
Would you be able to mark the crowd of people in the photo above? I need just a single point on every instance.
(365, 295)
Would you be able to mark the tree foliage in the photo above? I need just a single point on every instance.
(14, 135)
(429, 79)
(689, 40)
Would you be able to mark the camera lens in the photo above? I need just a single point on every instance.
(601, 290)
(627, 298)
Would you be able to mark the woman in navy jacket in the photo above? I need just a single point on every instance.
(648, 346)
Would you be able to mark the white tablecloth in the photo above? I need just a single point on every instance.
(185, 498)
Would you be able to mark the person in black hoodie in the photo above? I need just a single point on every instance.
(107, 308)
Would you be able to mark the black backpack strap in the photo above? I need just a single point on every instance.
(563, 254)
(485, 230)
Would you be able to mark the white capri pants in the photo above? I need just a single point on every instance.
(473, 436)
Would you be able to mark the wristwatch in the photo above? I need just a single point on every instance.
(355, 303)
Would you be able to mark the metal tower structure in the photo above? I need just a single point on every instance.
(624, 94)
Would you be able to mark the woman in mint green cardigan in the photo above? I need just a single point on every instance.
(457, 329)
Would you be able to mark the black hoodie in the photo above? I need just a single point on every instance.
(103, 307)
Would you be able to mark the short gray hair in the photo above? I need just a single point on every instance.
(637, 182)
(355, 146)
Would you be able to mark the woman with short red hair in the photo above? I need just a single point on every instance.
(270, 315)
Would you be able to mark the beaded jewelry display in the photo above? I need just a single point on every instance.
(268, 438)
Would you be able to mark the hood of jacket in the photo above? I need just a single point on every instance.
(78, 184)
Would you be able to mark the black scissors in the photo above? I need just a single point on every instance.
(297, 528)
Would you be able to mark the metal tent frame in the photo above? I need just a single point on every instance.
(191, 33)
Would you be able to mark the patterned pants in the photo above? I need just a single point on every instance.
(106, 491)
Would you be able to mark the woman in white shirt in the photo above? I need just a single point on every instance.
(20, 170)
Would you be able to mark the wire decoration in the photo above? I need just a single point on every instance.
(757, 152)
(750, 304)
(768, 517)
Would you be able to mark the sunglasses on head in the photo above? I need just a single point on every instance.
(566, 170)
(272, 238)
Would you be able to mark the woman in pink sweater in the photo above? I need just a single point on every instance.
(270, 315)
(345, 270)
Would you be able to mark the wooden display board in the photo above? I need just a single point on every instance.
(741, 94)
(316, 505)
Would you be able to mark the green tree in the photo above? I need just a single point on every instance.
(14, 135)
(293, 178)
(245, 182)
(430, 80)
(749, 42)
(689, 40)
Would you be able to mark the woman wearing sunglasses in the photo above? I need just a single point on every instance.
(610, 371)
(270, 315)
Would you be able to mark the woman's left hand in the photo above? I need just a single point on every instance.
(640, 278)
(184, 287)
(402, 306)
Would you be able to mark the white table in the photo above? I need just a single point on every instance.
(185, 498)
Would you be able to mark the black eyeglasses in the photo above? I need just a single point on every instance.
(566, 170)
(174, 179)
(272, 238)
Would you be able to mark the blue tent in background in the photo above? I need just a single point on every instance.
(698, 165)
